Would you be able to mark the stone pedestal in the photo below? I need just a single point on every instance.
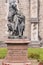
(17, 52)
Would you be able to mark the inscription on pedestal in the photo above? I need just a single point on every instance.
(17, 53)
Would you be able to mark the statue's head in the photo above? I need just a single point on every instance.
(13, 3)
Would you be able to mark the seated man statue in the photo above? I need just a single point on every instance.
(16, 21)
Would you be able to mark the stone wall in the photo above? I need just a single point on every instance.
(3, 20)
(41, 18)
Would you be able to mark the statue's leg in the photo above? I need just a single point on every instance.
(19, 29)
(22, 28)
(13, 26)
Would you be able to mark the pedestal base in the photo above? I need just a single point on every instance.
(17, 52)
(23, 63)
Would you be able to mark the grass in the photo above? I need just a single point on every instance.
(36, 51)
(3, 52)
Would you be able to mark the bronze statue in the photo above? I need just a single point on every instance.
(16, 21)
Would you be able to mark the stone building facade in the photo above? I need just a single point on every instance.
(24, 6)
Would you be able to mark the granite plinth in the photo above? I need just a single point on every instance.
(17, 51)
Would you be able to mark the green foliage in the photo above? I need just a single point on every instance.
(34, 56)
(35, 53)
(3, 52)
